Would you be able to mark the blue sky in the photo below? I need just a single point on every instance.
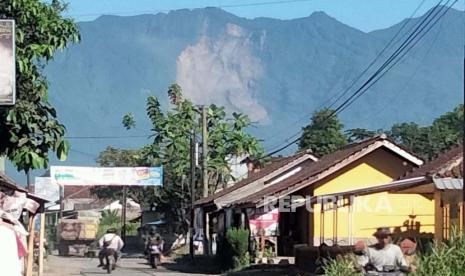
(366, 15)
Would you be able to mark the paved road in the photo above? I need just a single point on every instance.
(70, 266)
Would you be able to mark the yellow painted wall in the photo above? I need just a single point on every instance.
(370, 211)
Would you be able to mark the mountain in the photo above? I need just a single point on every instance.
(276, 71)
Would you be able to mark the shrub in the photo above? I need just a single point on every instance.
(239, 240)
(445, 258)
(341, 266)
(233, 250)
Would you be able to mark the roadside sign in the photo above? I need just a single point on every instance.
(7, 62)
(101, 176)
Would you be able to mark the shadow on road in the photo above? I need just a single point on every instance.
(200, 265)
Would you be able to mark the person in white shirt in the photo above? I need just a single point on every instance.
(383, 256)
(110, 244)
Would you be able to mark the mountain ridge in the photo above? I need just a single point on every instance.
(277, 71)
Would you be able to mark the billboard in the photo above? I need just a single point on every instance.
(44, 188)
(98, 176)
(7, 62)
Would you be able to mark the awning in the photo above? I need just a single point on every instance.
(448, 183)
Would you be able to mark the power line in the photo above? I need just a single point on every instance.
(389, 63)
(372, 80)
(254, 4)
(405, 52)
(108, 137)
(340, 95)
(414, 73)
(84, 153)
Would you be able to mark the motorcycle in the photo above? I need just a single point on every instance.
(109, 262)
(154, 254)
(387, 271)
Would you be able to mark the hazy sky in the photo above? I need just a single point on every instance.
(366, 15)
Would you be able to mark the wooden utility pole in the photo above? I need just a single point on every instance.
(30, 246)
(204, 151)
(28, 180)
(41, 243)
(463, 143)
(123, 213)
(192, 189)
(206, 239)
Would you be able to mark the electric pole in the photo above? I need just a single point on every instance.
(192, 190)
(463, 143)
(123, 212)
(204, 151)
(206, 239)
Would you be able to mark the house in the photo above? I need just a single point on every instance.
(210, 210)
(335, 200)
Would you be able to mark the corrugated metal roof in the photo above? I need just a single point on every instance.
(448, 183)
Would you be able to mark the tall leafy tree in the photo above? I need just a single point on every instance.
(428, 141)
(324, 134)
(30, 129)
(172, 130)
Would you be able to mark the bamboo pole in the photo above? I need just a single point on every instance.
(30, 246)
(41, 244)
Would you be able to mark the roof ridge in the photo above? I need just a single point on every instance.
(380, 136)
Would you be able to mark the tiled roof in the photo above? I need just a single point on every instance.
(446, 164)
(309, 173)
(263, 172)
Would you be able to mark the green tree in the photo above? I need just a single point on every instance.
(428, 141)
(324, 134)
(30, 129)
(171, 146)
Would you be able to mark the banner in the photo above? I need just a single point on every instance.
(266, 224)
(98, 176)
(7, 62)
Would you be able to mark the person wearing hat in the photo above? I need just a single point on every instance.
(110, 244)
(384, 256)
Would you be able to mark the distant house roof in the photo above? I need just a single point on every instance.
(446, 164)
(277, 164)
(327, 165)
